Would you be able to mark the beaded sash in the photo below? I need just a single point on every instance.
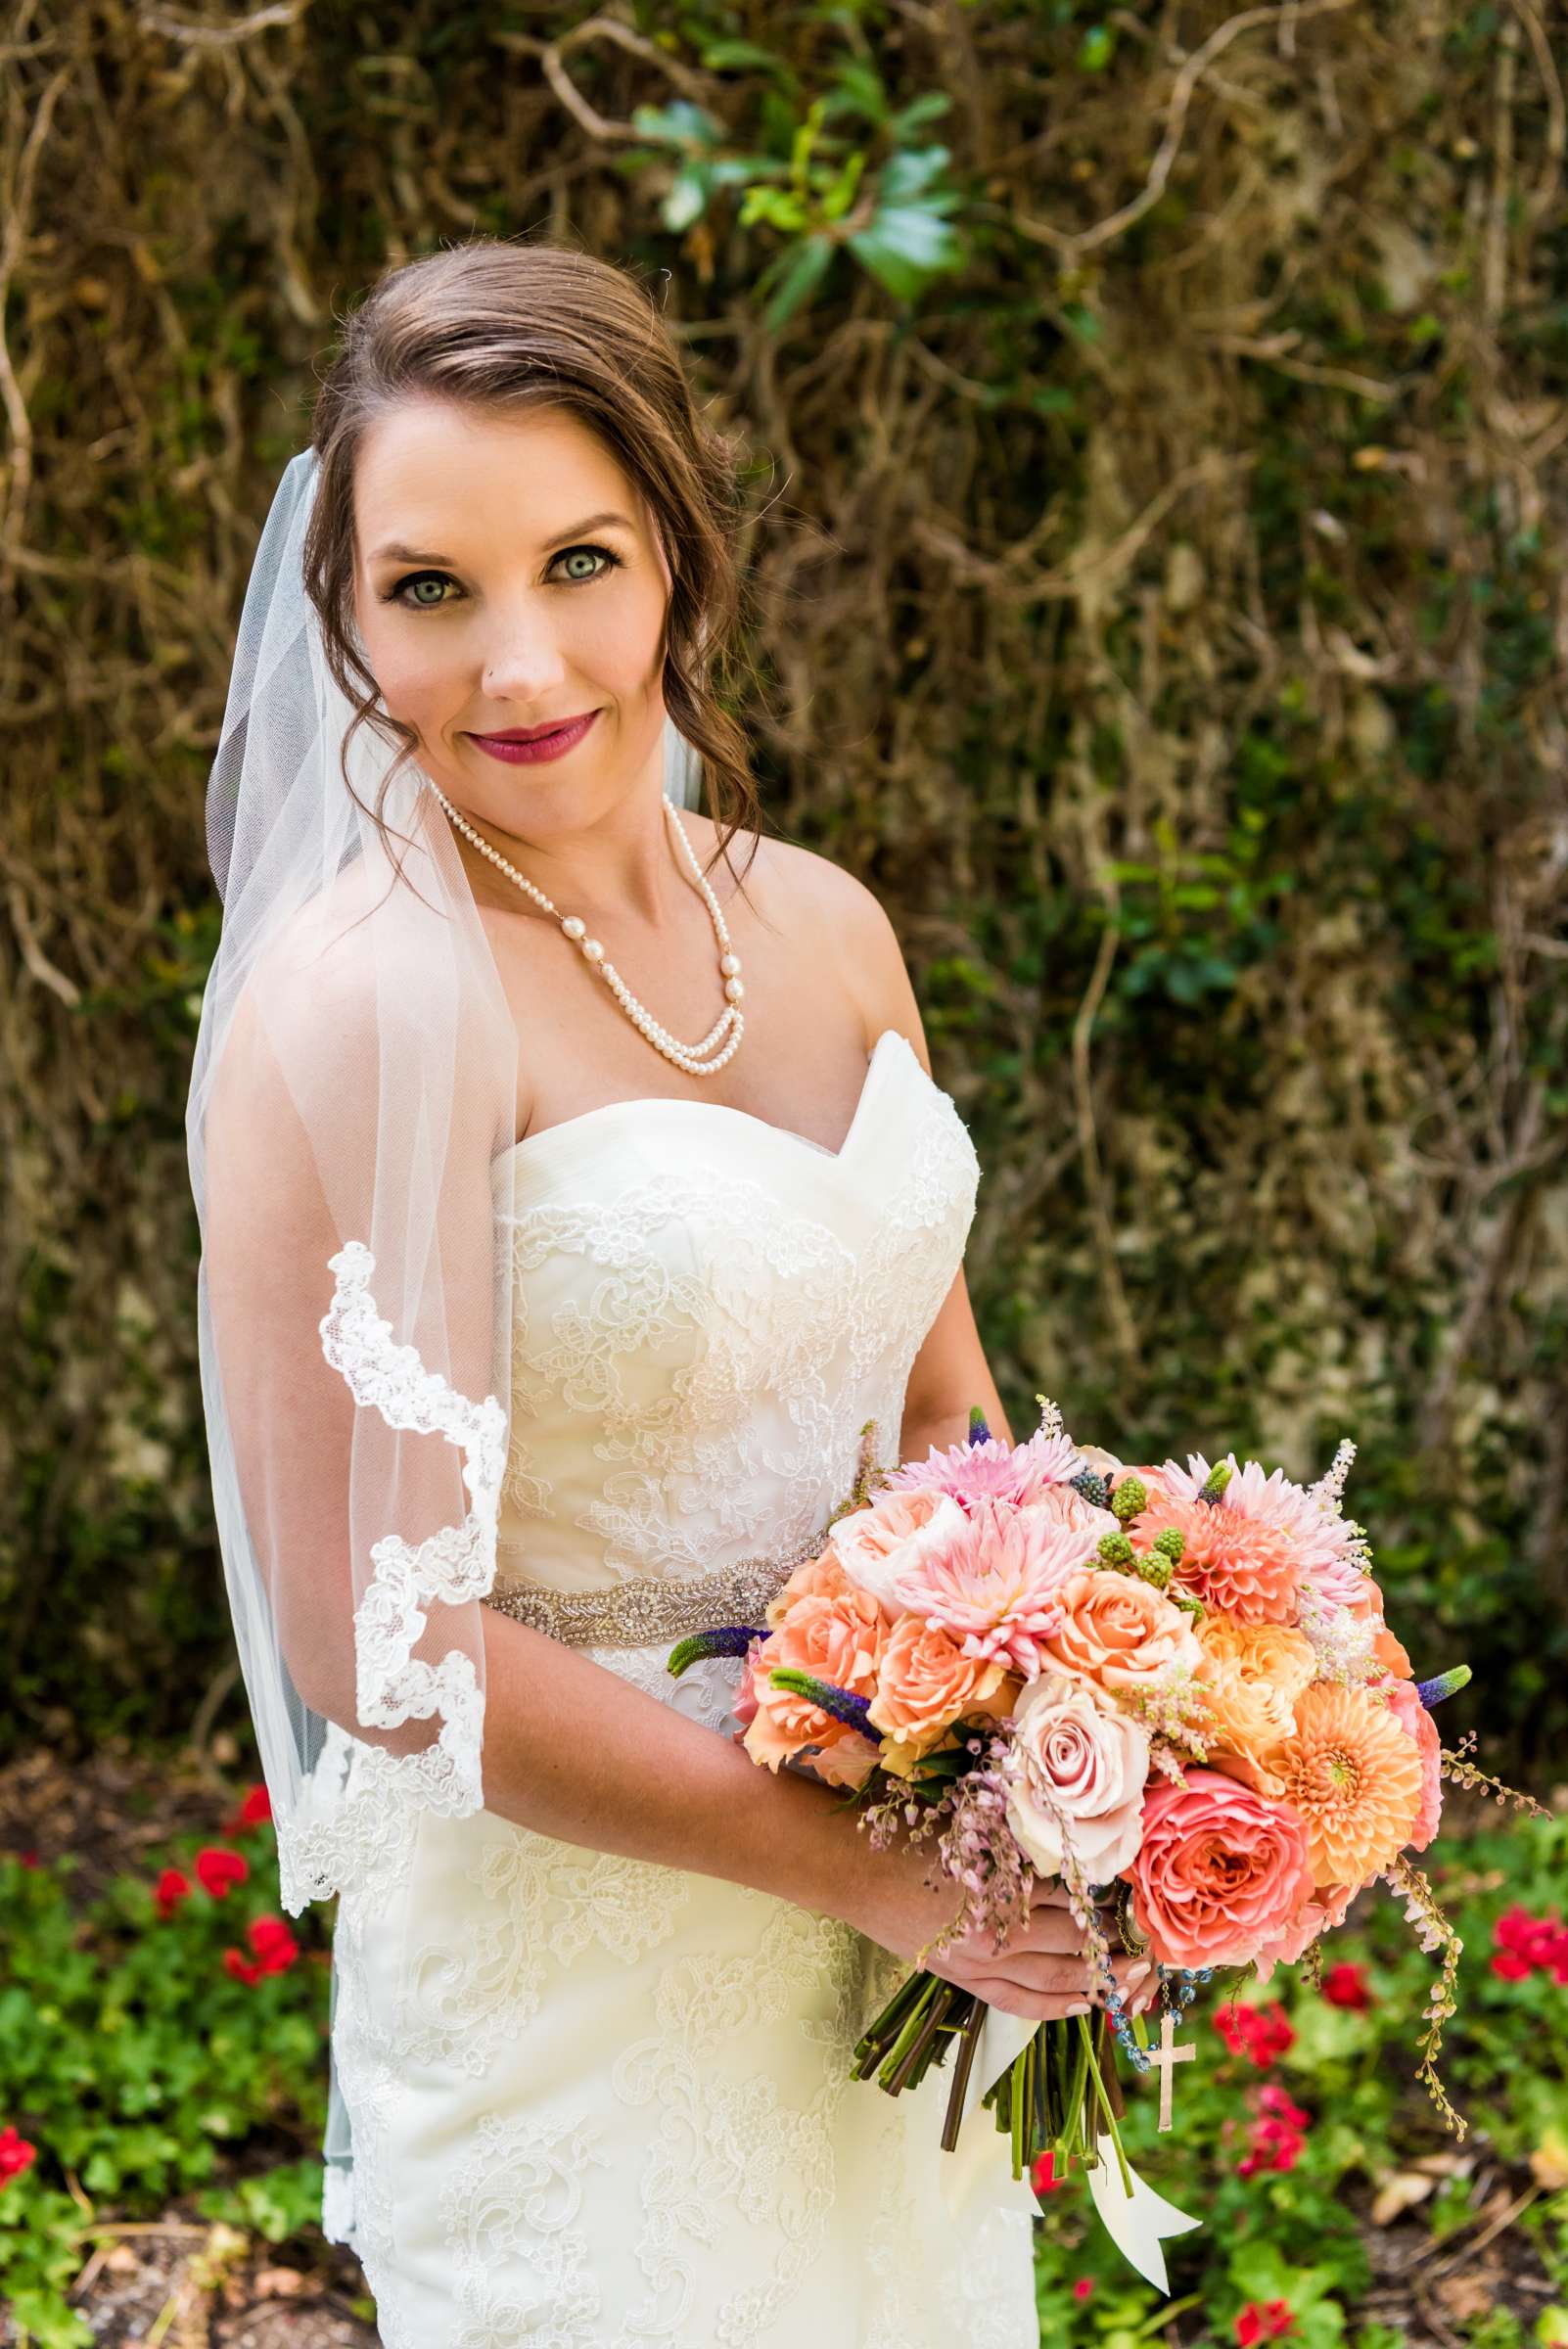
(652, 1609)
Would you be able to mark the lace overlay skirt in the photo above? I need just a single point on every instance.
(595, 2101)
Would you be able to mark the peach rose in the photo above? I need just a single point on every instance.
(875, 1546)
(1250, 1677)
(819, 1578)
(1220, 1874)
(835, 1638)
(1119, 1632)
(926, 1682)
(1081, 1768)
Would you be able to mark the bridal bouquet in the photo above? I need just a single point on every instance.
(1171, 1688)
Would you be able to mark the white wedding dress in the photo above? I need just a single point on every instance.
(595, 2101)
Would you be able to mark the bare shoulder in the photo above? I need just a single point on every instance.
(814, 901)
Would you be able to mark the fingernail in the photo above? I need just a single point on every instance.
(1080, 2007)
(1138, 1974)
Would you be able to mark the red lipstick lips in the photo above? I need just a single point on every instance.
(526, 745)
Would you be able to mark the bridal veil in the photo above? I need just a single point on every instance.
(354, 1075)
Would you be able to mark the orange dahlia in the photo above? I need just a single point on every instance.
(1353, 1778)
(1234, 1562)
(1250, 1677)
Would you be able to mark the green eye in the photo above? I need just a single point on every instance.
(611, 562)
(423, 579)
(599, 561)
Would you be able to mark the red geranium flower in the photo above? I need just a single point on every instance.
(170, 1889)
(1345, 1985)
(1522, 1942)
(1043, 2173)
(1264, 2321)
(253, 1811)
(1084, 2286)
(1260, 2033)
(15, 2154)
(1278, 2135)
(275, 1950)
(219, 1870)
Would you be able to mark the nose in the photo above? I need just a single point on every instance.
(523, 663)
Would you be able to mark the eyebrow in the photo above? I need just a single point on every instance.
(392, 552)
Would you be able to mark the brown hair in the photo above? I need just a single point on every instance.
(493, 324)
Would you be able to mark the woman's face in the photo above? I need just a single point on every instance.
(508, 575)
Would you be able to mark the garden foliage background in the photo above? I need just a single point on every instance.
(1155, 429)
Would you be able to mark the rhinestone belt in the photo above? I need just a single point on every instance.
(655, 1609)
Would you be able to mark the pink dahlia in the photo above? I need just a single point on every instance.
(994, 1586)
(994, 1471)
(1325, 1549)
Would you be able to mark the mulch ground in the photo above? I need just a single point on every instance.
(179, 2282)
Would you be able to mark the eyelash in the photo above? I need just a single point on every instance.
(394, 593)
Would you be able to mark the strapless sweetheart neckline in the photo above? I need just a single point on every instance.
(683, 1104)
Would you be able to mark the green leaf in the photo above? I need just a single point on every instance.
(904, 246)
(795, 279)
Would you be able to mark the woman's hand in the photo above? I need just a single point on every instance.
(1040, 1973)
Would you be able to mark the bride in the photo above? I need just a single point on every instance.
(573, 1193)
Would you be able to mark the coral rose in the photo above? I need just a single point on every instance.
(1353, 1773)
(1119, 1633)
(1220, 1874)
(925, 1683)
(1320, 1915)
(1251, 1676)
(1077, 1766)
(877, 1545)
(839, 1639)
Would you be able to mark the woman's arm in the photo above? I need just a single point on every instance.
(573, 1751)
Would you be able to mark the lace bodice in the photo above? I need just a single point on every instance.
(706, 1310)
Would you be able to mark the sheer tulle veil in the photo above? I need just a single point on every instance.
(354, 1077)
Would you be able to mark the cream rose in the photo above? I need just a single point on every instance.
(1076, 1754)
(899, 1532)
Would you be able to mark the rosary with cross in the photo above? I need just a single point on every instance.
(1165, 2058)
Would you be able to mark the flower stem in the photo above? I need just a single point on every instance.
(909, 2031)
(963, 2064)
(881, 2034)
(914, 2064)
(1104, 2102)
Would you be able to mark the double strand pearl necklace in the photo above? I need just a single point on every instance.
(723, 1041)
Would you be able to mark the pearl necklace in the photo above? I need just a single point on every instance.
(723, 1041)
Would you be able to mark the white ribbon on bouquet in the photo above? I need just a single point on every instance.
(1138, 2223)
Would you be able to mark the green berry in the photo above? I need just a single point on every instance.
(1129, 1499)
(1115, 1549)
(1171, 1543)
